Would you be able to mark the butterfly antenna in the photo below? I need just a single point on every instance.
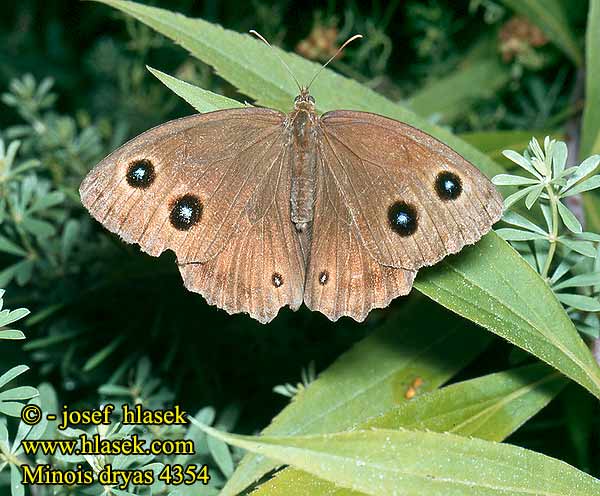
(346, 43)
(261, 37)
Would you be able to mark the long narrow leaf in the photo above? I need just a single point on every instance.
(411, 463)
(590, 131)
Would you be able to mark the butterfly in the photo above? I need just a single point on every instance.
(264, 209)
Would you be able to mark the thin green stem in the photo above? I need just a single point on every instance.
(553, 199)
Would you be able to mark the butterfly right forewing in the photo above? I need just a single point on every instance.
(388, 174)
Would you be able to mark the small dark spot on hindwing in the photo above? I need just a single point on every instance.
(277, 279)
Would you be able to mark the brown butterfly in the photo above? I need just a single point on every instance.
(264, 209)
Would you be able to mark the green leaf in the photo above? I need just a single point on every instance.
(515, 219)
(587, 185)
(253, 68)
(490, 407)
(582, 280)
(12, 373)
(580, 302)
(452, 95)
(521, 161)
(11, 334)
(551, 18)
(37, 227)
(584, 247)
(18, 393)
(512, 180)
(509, 201)
(590, 130)
(420, 341)
(587, 167)
(7, 246)
(10, 316)
(559, 158)
(201, 100)
(533, 195)
(518, 235)
(490, 284)
(220, 453)
(568, 217)
(382, 461)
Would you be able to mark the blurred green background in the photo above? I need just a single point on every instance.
(98, 306)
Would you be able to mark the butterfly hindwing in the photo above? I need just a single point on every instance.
(262, 270)
(342, 278)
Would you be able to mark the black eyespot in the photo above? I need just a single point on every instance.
(403, 218)
(323, 278)
(311, 99)
(186, 212)
(296, 98)
(140, 174)
(277, 279)
(448, 185)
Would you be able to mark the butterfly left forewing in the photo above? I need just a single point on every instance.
(413, 199)
(210, 165)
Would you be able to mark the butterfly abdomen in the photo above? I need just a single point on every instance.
(304, 163)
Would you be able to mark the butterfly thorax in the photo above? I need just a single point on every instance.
(303, 126)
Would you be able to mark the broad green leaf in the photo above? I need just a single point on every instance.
(492, 286)
(411, 463)
(590, 131)
(201, 100)
(371, 378)
(452, 95)
(254, 69)
(489, 407)
(550, 17)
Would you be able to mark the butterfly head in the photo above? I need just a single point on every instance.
(304, 101)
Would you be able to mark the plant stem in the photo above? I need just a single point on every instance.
(554, 234)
